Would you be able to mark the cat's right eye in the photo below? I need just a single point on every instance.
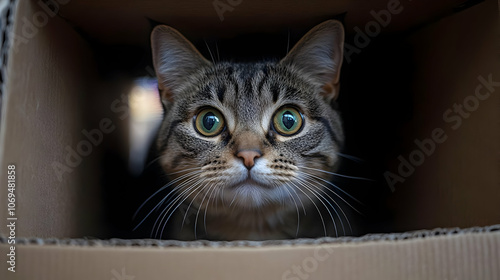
(209, 122)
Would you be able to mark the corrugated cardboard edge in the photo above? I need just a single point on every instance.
(115, 242)
(452, 254)
(7, 13)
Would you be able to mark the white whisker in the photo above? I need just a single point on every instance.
(339, 175)
(193, 188)
(214, 189)
(164, 212)
(322, 188)
(235, 195)
(189, 205)
(164, 187)
(199, 208)
(353, 158)
(194, 173)
(209, 51)
(315, 206)
(296, 208)
(315, 193)
(336, 187)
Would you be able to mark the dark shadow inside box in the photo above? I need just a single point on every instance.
(375, 101)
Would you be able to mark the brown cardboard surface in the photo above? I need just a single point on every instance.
(458, 184)
(458, 256)
(50, 76)
(49, 82)
(126, 21)
(42, 115)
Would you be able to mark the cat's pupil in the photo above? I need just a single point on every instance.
(288, 119)
(209, 120)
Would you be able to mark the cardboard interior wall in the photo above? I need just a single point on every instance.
(50, 76)
(458, 184)
(51, 80)
(48, 80)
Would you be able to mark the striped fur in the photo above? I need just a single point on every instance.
(226, 204)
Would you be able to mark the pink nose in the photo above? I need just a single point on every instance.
(249, 157)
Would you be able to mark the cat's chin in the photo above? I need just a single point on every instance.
(251, 194)
(249, 183)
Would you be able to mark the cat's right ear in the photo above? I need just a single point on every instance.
(174, 59)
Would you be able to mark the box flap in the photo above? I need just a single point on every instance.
(439, 254)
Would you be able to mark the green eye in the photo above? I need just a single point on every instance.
(288, 121)
(209, 122)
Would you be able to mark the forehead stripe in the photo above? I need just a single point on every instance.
(233, 81)
(262, 81)
(275, 90)
(221, 90)
(248, 87)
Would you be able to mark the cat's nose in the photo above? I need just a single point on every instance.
(248, 157)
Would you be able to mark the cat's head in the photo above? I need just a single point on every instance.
(250, 135)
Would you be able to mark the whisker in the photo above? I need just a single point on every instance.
(184, 198)
(315, 193)
(187, 169)
(209, 51)
(335, 186)
(177, 198)
(298, 198)
(152, 161)
(215, 189)
(189, 206)
(235, 195)
(282, 196)
(158, 191)
(315, 206)
(180, 186)
(167, 208)
(192, 200)
(296, 208)
(353, 158)
(173, 191)
(340, 197)
(321, 188)
(218, 195)
(339, 175)
(163, 188)
(148, 165)
(199, 208)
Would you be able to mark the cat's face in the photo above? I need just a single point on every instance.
(250, 136)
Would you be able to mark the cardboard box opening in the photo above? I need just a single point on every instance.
(71, 74)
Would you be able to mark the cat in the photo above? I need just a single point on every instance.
(249, 148)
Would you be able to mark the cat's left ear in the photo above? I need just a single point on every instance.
(319, 55)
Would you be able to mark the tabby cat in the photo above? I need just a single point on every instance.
(250, 148)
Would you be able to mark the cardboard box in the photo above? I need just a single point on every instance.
(55, 84)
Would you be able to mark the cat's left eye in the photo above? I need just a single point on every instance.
(209, 122)
(288, 121)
